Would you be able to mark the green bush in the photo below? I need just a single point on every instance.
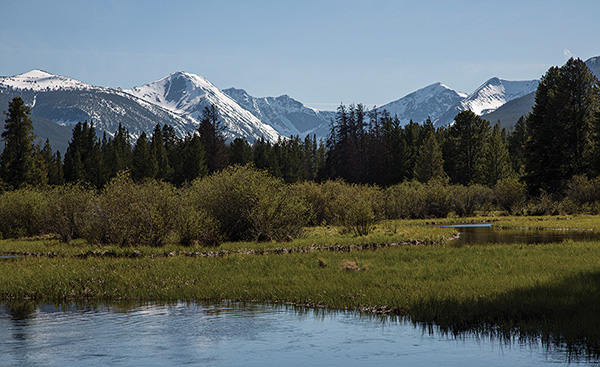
(250, 204)
(127, 214)
(316, 197)
(360, 212)
(437, 198)
(545, 204)
(510, 194)
(467, 199)
(405, 200)
(24, 213)
(68, 205)
(194, 226)
(582, 190)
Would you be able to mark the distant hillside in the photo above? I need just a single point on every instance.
(58, 135)
(509, 113)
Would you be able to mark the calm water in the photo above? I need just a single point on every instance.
(241, 335)
(485, 233)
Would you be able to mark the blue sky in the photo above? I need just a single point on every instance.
(322, 52)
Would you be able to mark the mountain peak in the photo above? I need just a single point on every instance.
(594, 64)
(492, 94)
(42, 80)
(187, 94)
(428, 102)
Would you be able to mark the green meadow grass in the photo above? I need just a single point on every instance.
(385, 232)
(543, 290)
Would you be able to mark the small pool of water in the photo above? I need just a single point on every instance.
(229, 334)
(485, 233)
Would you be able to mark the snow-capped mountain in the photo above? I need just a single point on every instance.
(594, 65)
(68, 101)
(285, 114)
(39, 80)
(187, 94)
(429, 102)
(488, 97)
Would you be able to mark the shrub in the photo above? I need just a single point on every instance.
(405, 200)
(437, 198)
(24, 212)
(195, 226)
(545, 204)
(582, 190)
(510, 194)
(126, 213)
(250, 204)
(315, 197)
(69, 203)
(467, 199)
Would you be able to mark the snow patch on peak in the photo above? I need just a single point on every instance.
(39, 80)
(495, 92)
(428, 102)
(187, 94)
(491, 95)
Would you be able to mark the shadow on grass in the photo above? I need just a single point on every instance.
(564, 315)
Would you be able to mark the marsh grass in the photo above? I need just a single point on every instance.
(579, 222)
(550, 291)
(385, 232)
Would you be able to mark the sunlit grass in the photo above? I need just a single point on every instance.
(384, 233)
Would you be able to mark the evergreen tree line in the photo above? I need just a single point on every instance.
(560, 139)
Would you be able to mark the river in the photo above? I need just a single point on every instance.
(234, 334)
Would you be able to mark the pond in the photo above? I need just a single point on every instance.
(232, 334)
(485, 233)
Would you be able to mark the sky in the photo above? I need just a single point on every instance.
(321, 53)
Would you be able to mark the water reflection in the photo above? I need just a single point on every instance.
(471, 234)
(236, 334)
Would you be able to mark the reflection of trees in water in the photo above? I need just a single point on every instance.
(564, 315)
(483, 235)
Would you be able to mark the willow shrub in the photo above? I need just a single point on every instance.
(68, 205)
(405, 200)
(510, 194)
(467, 199)
(582, 190)
(250, 204)
(24, 213)
(129, 214)
(194, 225)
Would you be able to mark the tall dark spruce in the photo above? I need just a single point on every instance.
(563, 128)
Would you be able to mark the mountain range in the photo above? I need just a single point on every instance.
(58, 102)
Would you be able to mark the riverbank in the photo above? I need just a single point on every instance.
(547, 290)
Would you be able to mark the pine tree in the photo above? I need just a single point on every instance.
(84, 158)
(464, 148)
(562, 128)
(430, 162)
(516, 146)
(212, 139)
(118, 154)
(53, 162)
(240, 152)
(190, 162)
(144, 163)
(497, 160)
(17, 161)
(164, 171)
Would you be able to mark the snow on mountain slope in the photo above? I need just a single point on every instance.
(594, 65)
(38, 80)
(429, 102)
(188, 94)
(488, 97)
(285, 114)
(68, 101)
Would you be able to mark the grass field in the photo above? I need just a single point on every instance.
(546, 290)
